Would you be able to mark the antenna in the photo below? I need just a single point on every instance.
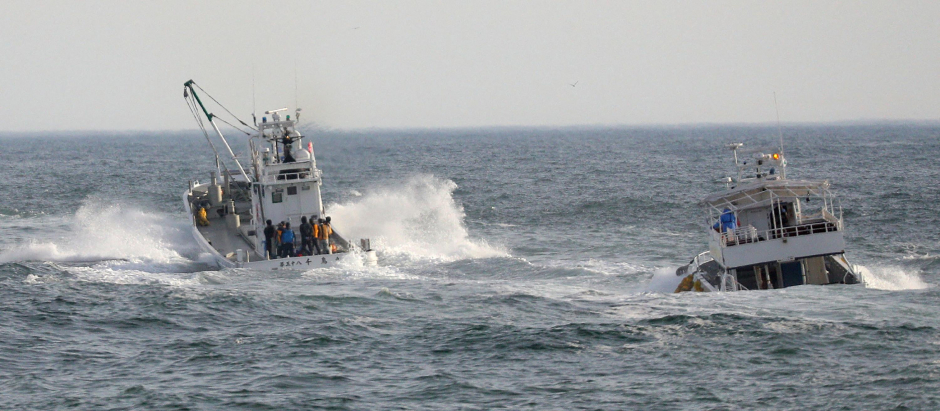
(296, 103)
(253, 108)
(779, 131)
(295, 84)
(783, 170)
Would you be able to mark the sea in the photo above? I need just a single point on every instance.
(519, 268)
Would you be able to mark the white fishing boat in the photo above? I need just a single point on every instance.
(769, 232)
(229, 214)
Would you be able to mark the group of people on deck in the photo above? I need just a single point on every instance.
(280, 241)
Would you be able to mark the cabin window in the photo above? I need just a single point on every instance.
(292, 190)
(277, 197)
(305, 188)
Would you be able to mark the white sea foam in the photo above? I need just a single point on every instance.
(350, 269)
(104, 231)
(125, 276)
(592, 265)
(416, 219)
(891, 278)
(880, 278)
(664, 280)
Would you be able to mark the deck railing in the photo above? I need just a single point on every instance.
(749, 234)
(301, 175)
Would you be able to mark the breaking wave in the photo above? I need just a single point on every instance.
(417, 219)
(664, 280)
(104, 231)
(891, 278)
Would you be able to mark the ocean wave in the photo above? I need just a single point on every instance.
(105, 231)
(664, 280)
(417, 219)
(17, 213)
(891, 278)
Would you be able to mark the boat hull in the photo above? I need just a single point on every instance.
(705, 274)
(246, 260)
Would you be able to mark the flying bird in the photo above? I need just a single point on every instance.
(573, 84)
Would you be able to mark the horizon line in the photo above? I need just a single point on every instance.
(316, 127)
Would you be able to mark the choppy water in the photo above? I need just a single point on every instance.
(520, 268)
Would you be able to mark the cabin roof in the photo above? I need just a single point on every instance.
(760, 193)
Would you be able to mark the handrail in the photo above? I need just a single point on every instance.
(749, 234)
(300, 176)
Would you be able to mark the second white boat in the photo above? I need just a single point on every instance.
(767, 232)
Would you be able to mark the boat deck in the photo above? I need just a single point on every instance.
(224, 239)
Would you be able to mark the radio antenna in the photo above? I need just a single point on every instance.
(295, 85)
(779, 131)
(780, 134)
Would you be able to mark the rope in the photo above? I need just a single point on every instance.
(192, 103)
(223, 108)
(233, 126)
(195, 111)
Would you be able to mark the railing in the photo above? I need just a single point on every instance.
(696, 262)
(741, 235)
(804, 229)
(302, 175)
(729, 282)
(749, 234)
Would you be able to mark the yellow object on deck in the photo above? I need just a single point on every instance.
(685, 285)
(689, 283)
(201, 218)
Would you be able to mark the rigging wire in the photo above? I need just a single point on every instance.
(220, 165)
(223, 107)
(193, 101)
(195, 111)
(233, 126)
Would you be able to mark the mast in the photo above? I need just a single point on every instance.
(783, 169)
(189, 86)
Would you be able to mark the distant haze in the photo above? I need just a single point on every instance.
(119, 65)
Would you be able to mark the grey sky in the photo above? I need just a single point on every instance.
(78, 65)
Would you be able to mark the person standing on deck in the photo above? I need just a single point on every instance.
(277, 238)
(314, 235)
(727, 221)
(287, 241)
(330, 247)
(306, 235)
(269, 232)
(323, 237)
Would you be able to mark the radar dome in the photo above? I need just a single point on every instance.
(301, 154)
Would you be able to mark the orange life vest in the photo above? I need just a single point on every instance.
(325, 232)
